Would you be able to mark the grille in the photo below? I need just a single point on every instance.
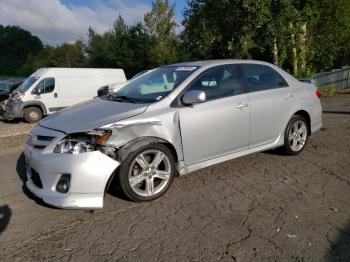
(39, 147)
(40, 142)
(45, 138)
(36, 178)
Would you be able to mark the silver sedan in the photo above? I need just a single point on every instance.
(172, 120)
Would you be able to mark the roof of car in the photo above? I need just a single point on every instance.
(219, 62)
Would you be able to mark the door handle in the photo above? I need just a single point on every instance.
(241, 105)
(288, 96)
(55, 95)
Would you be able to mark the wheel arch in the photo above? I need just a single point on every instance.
(36, 104)
(135, 144)
(307, 117)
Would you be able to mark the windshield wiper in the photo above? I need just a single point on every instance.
(124, 98)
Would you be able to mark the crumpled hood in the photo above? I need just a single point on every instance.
(92, 114)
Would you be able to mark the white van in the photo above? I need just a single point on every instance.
(49, 90)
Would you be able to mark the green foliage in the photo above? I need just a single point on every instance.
(16, 45)
(301, 36)
(330, 91)
(124, 47)
(310, 35)
(65, 55)
(160, 25)
(330, 35)
(160, 22)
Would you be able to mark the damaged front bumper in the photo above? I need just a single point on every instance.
(11, 110)
(89, 174)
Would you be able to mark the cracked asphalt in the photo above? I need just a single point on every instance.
(262, 207)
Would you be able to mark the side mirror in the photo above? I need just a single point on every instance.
(36, 91)
(194, 97)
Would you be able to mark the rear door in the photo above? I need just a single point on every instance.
(272, 102)
(220, 125)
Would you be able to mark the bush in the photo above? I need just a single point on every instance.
(330, 91)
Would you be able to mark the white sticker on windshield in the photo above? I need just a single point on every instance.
(158, 98)
(186, 68)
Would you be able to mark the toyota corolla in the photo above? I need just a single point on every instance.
(172, 120)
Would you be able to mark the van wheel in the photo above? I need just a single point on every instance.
(32, 114)
(147, 172)
(295, 136)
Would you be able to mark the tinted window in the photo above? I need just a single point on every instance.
(218, 82)
(46, 86)
(261, 77)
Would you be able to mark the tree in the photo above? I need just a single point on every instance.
(302, 36)
(330, 35)
(16, 45)
(124, 47)
(161, 26)
(224, 29)
(160, 21)
(65, 55)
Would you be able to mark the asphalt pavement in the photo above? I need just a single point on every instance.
(262, 207)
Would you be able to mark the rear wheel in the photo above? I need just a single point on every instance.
(32, 114)
(147, 173)
(295, 136)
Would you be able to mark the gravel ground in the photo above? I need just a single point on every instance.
(14, 128)
(262, 207)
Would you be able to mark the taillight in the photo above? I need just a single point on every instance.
(318, 93)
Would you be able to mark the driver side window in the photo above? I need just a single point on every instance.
(46, 85)
(218, 83)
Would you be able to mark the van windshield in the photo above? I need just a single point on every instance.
(153, 86)
(3, 86)
(27, 84)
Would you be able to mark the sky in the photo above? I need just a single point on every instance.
(58, 21)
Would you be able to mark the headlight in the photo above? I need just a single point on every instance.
(84, 142)
(74, 147)
(17, 97)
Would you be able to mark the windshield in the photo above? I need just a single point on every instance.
(153, 86)
(27, 84)
(139, 74)
(3, 86)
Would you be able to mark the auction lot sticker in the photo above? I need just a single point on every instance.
(186, 68)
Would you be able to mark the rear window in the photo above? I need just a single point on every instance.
(261, 77)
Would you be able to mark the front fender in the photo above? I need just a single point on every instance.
(32, 103)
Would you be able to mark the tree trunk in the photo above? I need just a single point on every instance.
(275, 51)
(303, 47)
(294, 52)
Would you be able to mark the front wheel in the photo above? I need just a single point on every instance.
(295, 136)
(147, 173)
(32, 114)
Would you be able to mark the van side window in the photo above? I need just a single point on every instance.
(46, 85)
(261, 77)
(218, 82)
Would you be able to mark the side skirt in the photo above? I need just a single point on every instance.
(183, 169)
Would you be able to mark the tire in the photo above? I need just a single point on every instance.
(139, 171)
(295, 135)
(32, 114)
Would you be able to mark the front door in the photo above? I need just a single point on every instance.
(46, 92)
(221, 124)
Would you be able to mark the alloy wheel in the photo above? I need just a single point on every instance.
(149, 173)
(297, 135)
